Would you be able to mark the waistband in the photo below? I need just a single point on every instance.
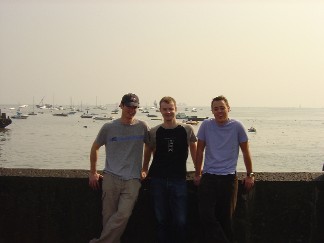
(105, 173)
(219, 176)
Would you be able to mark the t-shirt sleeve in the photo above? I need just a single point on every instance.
(201, 131)
(146, 133)
(101, 137)
(192, 136)
(243, 137)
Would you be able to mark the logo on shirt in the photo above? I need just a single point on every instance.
(170, 145)
(127, 138)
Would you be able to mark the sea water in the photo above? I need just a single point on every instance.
(286, 140)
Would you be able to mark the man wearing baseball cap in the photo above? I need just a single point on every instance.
(130, 100)
(123, 139)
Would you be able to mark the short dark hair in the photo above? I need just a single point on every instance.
(219, 98)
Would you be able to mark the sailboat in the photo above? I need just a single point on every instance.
(86, 115)
(116, 110)
(156, 106)
(33, 112)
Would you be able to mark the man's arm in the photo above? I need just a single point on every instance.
(193, 152)
(147, 157)
(249, 180)
(199, 160)
(93, 175)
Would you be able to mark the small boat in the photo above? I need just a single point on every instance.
(32, 113)
(197, 118)
(115, 111)
(46, 106)
(104, 118)
(156, 105)
(86, 115)
(194, 109)
(4, 121)
(151, 115)
(191, 122)
(19, 115)
(181, 115)
(252, 129)
(60, 114)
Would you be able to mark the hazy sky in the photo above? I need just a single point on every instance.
(257, 53)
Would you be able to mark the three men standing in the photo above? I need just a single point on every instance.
(170, 143)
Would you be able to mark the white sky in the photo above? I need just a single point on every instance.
(257, 53)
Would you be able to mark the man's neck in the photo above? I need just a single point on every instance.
(170, 124)
(127, 121)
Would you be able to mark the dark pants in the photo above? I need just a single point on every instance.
(170, 207)
(217, 201)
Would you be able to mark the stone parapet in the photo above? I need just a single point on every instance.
(56, 206)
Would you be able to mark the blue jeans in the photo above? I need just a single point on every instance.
(170, 206)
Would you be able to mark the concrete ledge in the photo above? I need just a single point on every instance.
(261, 176)
(58, 206)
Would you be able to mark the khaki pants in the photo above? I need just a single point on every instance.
(118, 200)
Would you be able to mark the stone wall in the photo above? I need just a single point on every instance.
(53, 206)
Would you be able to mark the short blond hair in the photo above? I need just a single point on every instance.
(168, 100)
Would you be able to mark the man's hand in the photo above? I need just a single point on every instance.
(197, 180)
(143, 174)
(248, 183)
(94, 180)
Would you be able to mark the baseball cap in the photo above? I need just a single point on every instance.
(130, 99)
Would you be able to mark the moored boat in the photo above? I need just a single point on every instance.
(197, 118)
(104, 118)
(115, 111)
(19, 115)
(181, 115)
(32, 113)
(60, 114)
(252, 129)
(191, 122)
(86, 115)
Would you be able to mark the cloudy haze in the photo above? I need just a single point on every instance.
(257, 53)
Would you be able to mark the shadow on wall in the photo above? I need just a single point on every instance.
(38, 206)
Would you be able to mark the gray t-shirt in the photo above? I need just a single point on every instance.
(124, 147)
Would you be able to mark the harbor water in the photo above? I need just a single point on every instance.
(286, 139)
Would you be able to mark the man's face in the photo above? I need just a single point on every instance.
(168, 111)
(129, 111)
(220, 111)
